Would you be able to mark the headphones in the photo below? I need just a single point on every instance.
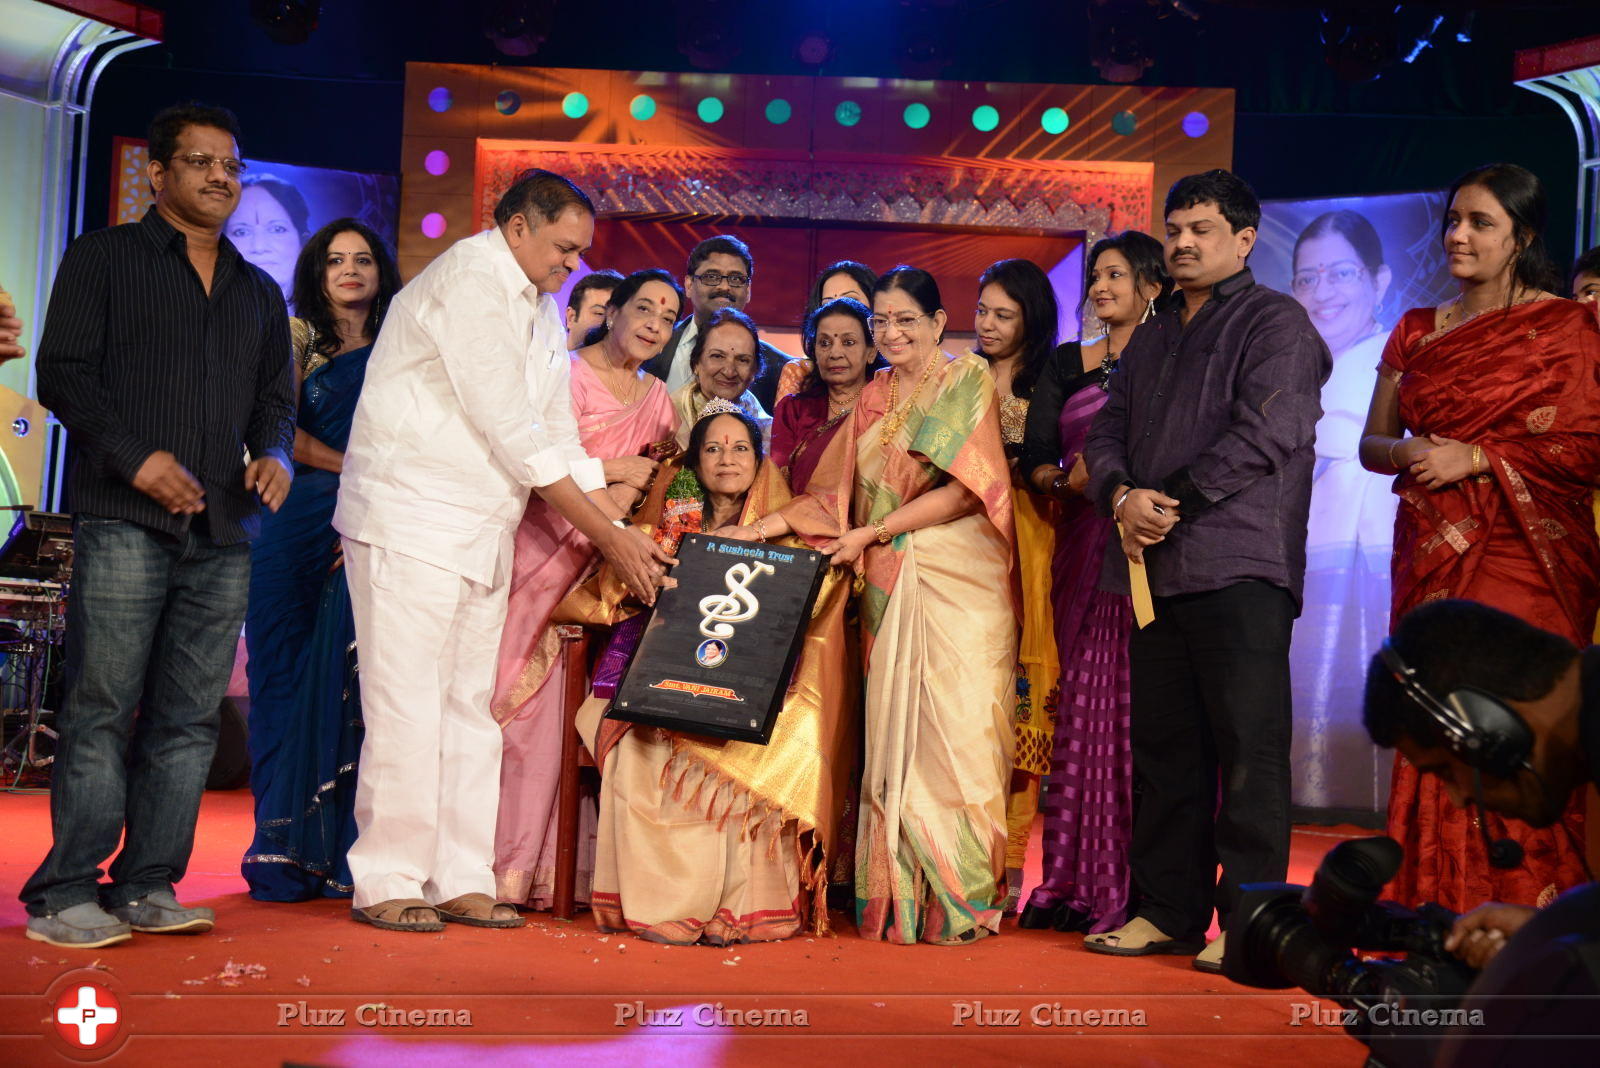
(1479, 729)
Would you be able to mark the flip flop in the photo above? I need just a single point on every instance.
(1155, 941)
(477, 910)
(385, 915)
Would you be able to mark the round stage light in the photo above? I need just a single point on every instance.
(642, 107)
(507, 103)
(574, 105)
(779, 111)
(917, 115)
(848, 113)
(436, 162)
(433, 225)
(439, 99)
(985, 118)
(1124, 123)
(1054, 121)
(1195, 124)
(710, 110)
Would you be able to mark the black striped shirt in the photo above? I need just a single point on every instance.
(135, 357)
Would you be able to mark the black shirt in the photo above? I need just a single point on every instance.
(1219, 413)
(1058, 382)
(136, 358)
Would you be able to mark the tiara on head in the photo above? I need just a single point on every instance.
(718, 406)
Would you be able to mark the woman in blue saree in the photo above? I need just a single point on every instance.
(305, 710)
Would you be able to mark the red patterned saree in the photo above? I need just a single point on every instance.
(1524, 383)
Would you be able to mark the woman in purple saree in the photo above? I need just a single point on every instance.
(1088, 802)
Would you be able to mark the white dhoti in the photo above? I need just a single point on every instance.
(426, 642)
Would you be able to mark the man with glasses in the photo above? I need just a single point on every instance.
(167, 358)
(720, 276)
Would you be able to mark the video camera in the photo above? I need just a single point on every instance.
(1284, 935)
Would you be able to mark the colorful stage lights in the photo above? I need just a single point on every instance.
(1124, 123)
(779, 111)
(507, 103)
(440, 99)
(710, 110)
(574, 105)
(985, 118)
(436, 162)
(1195, 124)
(1054, 121)
(642, 107)
(848, 113)
(917, 115)
(433, 225)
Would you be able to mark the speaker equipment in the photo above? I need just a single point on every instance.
(230, 766)
(1481, 731)
(39, 547)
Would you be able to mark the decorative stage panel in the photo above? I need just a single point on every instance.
(1059, 161)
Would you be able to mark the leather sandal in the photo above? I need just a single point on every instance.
(1141, 938)
(477, 910)
(387, 915)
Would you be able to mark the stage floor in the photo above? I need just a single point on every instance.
(270, 983)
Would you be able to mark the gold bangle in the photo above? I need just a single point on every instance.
(1477, 458)
(1393, 445)
(760, 527)
(884, 537)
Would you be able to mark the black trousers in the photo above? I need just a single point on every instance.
(1210, 730)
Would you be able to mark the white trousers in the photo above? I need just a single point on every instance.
(429, 782)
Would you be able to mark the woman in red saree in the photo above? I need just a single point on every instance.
(1500, 391)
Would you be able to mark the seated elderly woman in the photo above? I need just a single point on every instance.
(709, 840)
(839, 362)
(725, 360)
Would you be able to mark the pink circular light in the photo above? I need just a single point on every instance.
(436, 162)
(433, 225)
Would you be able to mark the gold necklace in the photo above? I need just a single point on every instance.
(836, 410)
(896, 416)
(632, 382)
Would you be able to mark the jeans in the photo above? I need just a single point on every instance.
(1210, 728)
(152, 626)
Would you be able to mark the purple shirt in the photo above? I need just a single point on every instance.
(1221, 415)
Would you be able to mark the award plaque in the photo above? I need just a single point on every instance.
(720, 646)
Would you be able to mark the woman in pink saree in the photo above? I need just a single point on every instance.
(621, 412)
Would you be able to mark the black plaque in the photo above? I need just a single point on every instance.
(718, 651)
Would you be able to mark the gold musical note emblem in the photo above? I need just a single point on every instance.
(720, 611)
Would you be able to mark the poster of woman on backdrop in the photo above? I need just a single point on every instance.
(1356, 264)
(280, 206)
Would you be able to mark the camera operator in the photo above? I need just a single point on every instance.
(1508, 715)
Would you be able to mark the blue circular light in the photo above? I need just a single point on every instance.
(848, 113)
(917, 115)
(710, 110)
(1195, 124)
(985, 118)
(779, 111)
(642, 107)
(1124, 123)
(1054, 121)
(440, 99)
(574, 105)
(507, 103)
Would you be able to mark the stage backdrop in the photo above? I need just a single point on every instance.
(281, 206)
(1356, 264)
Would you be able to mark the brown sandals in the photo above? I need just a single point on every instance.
(477, 910)
(386, 915)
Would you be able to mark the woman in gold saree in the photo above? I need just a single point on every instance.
(916, 493)
(702, 839)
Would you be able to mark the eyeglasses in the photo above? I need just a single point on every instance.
(1341, 274)
(713, 279)
(203, 163)
(904, 323)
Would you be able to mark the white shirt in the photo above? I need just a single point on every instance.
(678, 370)
(466, 405)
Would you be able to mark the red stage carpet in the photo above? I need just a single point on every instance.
(270, 983)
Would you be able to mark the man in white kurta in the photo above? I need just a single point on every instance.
(466, 406)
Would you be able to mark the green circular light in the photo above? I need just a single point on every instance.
(985, 118)
(779, 111)
(574, 105)
(1124, 123)
(1054, 121)
(710, 109)
(642, 107)
(848, 113)
(917, 115)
